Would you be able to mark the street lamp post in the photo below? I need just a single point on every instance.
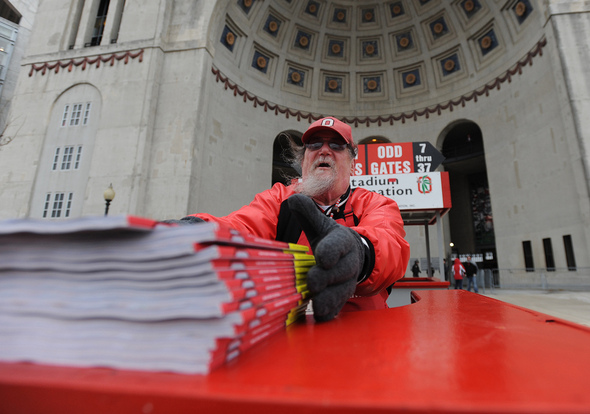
(109, 195)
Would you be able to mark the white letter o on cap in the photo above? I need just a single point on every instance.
(328, 122)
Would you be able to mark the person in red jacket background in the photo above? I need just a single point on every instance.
(356, 236)
(458, 273)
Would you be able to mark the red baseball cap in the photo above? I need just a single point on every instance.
(329, 124)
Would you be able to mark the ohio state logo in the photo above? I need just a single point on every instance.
(328, 122)
(424, 184)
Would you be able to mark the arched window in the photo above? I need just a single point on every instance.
(464, 140)
(65, 159)
(471, 219)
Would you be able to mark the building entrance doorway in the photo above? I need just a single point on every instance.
(471, 219)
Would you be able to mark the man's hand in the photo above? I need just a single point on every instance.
(184, 221)
(339, 255)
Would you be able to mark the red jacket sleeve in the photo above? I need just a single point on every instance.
(380, 222)
(260, 217)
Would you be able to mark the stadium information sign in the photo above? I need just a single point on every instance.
(412, 191)
(405, 173)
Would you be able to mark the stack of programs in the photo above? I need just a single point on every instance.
(131, 293)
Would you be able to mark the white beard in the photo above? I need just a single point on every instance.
(317, 183)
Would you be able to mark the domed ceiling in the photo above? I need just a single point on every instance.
(373, 58)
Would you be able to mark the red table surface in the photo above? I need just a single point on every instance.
(452, 351)
(421, 283)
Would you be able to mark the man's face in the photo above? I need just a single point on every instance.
(328, 166)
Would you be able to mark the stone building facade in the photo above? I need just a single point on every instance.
(178, 104)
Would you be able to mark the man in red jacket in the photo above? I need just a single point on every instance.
(356, 236)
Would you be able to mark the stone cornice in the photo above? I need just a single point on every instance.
(84, 62)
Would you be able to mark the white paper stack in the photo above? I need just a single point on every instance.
(129, 293)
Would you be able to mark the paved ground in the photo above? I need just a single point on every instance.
(573, 306)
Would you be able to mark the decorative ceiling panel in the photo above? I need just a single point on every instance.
(389, 51)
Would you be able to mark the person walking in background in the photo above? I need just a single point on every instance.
(416, 269)
(471, 273)
(458, 273)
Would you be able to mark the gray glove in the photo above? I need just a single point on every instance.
(184, 221)
(339, 253)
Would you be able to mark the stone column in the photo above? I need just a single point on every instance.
(571, 25)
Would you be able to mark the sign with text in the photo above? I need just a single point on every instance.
(402, 158)
(411, 191)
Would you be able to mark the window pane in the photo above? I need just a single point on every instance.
(64, 119)
(86, 114)
(529, 263)
(55, 159)
(69, 205)
(99, 23)
(76, 112)
(569, 252)
(549, 260)
(78, 157)
(46, 206)
(57, 205)
(66, 161)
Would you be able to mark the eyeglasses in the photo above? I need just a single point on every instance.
(335, 146)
